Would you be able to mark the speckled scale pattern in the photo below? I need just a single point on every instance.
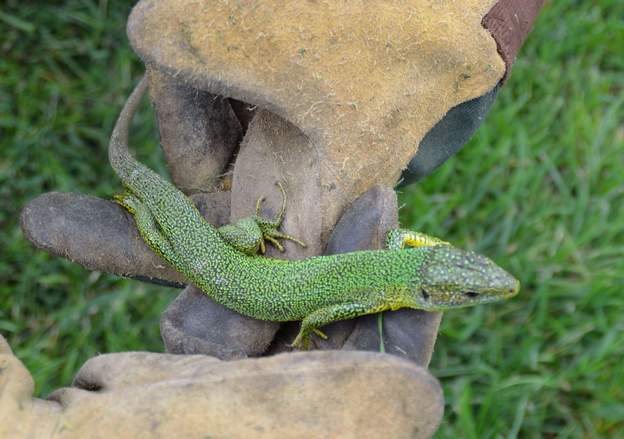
(416, 271)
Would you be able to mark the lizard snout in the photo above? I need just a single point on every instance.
(452, 277)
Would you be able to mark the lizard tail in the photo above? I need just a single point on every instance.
(119, 156)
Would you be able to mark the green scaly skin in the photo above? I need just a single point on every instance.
(415, 271)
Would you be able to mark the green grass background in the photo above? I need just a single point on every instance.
(540, 189)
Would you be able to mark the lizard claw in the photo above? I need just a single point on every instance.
(272, 235)
(274, 241)
(320, 333)
(301, 342)
(269, 226)
(303, 339)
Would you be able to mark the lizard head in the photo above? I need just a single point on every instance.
(452, 278)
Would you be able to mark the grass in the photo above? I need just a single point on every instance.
(540, 189)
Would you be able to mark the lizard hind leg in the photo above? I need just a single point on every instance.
(269, 226)
(146, 225)
(127, 200)
(249, 234)
(244, 235)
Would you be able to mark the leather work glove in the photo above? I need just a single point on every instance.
(146, 395)
(64, 224)
(340, 391)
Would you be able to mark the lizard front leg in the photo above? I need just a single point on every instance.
(398, 239)
(324, 316)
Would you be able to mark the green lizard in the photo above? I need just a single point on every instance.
(415, 271)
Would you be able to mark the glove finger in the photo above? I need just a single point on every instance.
(307, 394)
(195, 324)
(407, 333)
(102, 236)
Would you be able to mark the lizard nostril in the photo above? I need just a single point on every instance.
(471, 294)
(424, 294)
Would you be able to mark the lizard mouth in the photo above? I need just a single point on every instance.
(504, 290)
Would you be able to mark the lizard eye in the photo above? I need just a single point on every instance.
(471, 294)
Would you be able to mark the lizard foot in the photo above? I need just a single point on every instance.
(303, 340)
(269, 226)
(320, 333)
(272, 235)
